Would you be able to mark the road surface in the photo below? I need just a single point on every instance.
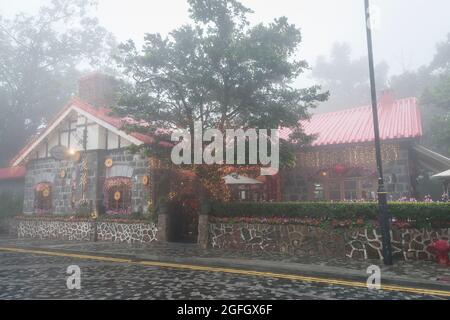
(25, 275)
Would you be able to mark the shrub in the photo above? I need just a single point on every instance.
(421, 213)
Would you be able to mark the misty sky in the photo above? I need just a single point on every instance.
(409, 29)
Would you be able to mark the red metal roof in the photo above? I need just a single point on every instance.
(105, 115)
(12, 173)
(401, 120)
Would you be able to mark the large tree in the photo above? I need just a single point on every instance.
(412, 83)
(219, 71)
(435, 101)
(347, 79)
(40, 56)
(441, 60)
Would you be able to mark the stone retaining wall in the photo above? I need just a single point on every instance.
(138, 232)
(301, 240)
(127, 232)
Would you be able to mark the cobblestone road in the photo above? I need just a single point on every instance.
(423, 270)
(29, 276)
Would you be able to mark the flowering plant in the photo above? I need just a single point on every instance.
(406, 199)
(41, 212)
(308, 221)
(74, 218)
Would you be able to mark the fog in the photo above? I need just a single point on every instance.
(406, 38)
(334, 44)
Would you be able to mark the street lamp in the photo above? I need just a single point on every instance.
(383, 216)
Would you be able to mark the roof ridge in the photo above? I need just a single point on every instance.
(361, 107)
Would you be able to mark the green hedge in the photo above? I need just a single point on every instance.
(340, 210)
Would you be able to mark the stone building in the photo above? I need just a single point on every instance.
(340, 163)
(81, 159)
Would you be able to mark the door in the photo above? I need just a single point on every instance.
(183, 220)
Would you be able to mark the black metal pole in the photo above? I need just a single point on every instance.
(383, 217)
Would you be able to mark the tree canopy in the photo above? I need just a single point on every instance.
(347, 79)
(219, 71)
(40, 59)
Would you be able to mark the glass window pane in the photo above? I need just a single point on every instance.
(350, 195)
(350, 185)
(335, 195)
(318, 191)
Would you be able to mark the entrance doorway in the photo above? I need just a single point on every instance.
(183, 220)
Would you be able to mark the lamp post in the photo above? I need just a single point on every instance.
(383, 216)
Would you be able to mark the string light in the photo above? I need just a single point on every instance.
(349, 156)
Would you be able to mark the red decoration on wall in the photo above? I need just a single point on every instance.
(340, 168)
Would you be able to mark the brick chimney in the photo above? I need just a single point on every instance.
(387, 98)
(97, 89)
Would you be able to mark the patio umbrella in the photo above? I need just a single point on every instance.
(442, 176)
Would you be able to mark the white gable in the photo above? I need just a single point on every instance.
(68, 131)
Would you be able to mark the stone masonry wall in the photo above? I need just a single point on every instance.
(66, 191)
(407, 244)
(300, 240)
(48, 170)
(296, 240)
(138, 232)
(60, 230)
(138, 165)
(127, 232)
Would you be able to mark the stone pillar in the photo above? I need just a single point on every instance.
(203, 231)
(163, 223)
(203, 228)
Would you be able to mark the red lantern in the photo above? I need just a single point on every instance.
(339, 168)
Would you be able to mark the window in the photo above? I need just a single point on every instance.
(117, 194)
(351, 190)
(43, 198)
(318, 192)
(369, 188)
(302, 188)
(335, 191)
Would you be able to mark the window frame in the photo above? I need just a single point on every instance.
(123, 206)
(43, 205)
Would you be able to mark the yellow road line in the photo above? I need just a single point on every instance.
(349, 283)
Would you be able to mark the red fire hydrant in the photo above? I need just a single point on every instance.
(440, 248)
